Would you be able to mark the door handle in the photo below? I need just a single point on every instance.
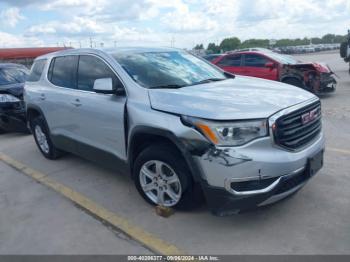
(42, 97)
(76, 102)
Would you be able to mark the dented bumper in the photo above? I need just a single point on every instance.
(12, 117)
(327, 83)
(259, 173)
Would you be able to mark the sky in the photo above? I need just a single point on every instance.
(178, 23)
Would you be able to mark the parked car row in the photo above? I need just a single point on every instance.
(183, 128)
(315, 77)
(307, 48)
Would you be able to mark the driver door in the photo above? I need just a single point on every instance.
(99, 117)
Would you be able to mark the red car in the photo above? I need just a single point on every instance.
(315, 77)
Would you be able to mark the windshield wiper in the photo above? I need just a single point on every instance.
(208, 81)
(173, 86)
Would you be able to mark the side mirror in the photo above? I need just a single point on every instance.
(104, 86)
(270, 65)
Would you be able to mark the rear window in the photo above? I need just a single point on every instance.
(230, 60)
(37, 70)
(62, 71)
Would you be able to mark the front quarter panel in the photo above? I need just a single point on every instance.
(141, 118)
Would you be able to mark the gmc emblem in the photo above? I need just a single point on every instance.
(309, 116)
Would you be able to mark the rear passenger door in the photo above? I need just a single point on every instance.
(231, 63)
(99, 117)
(57, 99)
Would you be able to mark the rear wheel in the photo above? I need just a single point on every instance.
(162, 177)
(43, 140)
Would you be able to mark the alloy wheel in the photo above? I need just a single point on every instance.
(160, 183)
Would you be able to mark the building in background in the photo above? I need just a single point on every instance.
(25, 56)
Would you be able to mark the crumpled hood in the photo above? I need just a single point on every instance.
(321, 67)
(13, 89)
(238, 98)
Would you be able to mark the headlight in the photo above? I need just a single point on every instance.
(5, 98)
(229, 133)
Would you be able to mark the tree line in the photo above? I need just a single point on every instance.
(233, 43)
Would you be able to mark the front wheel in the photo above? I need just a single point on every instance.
(43, 140)
(162, 177)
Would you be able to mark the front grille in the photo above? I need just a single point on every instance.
(297, 129)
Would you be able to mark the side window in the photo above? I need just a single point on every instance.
(37, 70)
(254, 60)
(62, 71)
(230, 60)
(91, 68)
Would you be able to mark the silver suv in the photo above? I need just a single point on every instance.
(183, 128)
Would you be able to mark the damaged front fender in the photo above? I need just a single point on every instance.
(225, 157)
(317, 78)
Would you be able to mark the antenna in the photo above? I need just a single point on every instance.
(90, 42)
(172, 41)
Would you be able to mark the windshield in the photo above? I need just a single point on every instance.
(167, 69)
(12, 75)
(283, 59)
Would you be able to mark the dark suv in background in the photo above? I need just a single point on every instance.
(12, 109)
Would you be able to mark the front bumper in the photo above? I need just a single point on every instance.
(328, 84)
(223, 202)
(259, 173)
(13, 117)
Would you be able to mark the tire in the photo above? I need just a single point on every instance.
(293, 82)
(187, 196)
(343, 49)
(2, 131)
(27, 132)
(42, 138)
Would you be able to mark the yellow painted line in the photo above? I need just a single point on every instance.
(147, 239)
(339, 150)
